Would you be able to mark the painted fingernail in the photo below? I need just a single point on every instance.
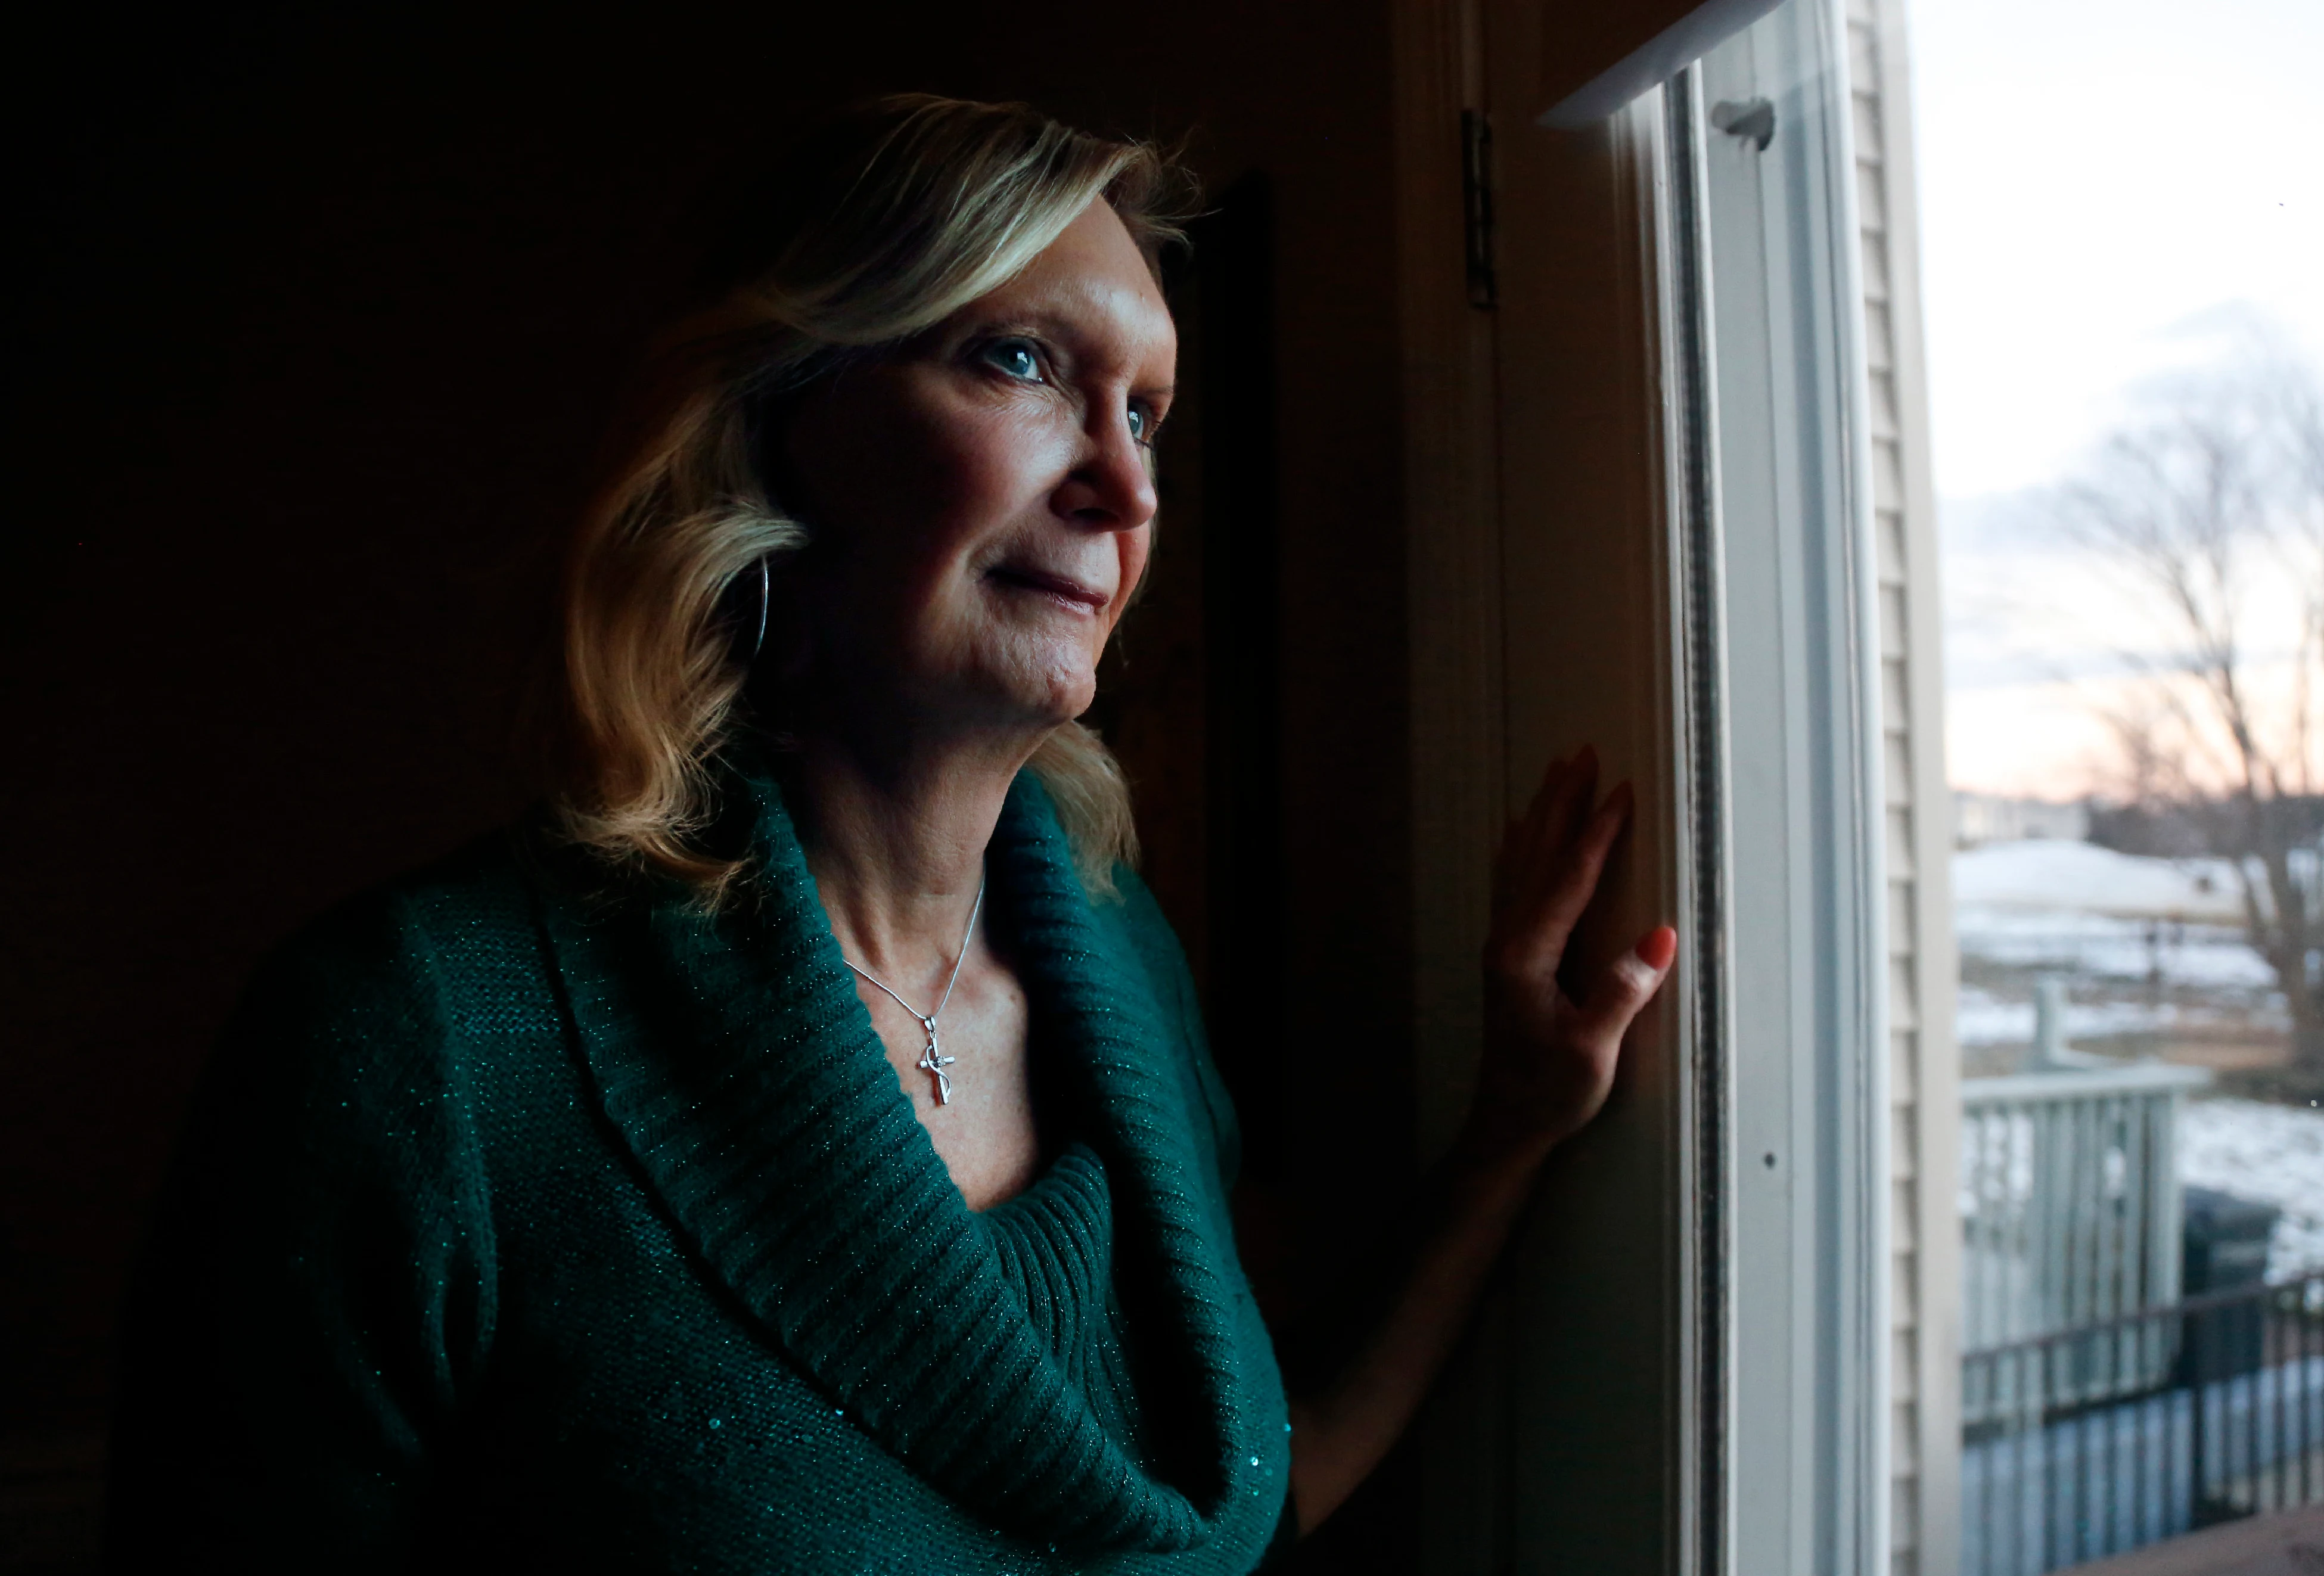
(1658, 948)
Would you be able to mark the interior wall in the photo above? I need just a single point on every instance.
(316, 322)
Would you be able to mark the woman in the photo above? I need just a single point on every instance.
(799, 1153)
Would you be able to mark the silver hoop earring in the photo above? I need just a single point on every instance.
(765, 592)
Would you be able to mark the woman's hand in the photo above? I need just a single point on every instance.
(1549, 1061)
(1549, 1058)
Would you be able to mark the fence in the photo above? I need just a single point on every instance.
(2235, 1426)
(2070, 1216)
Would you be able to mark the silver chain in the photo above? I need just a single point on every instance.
(932, 1061)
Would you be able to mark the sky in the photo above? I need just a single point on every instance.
(2109, 190)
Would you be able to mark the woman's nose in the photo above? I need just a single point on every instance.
(1112, 486)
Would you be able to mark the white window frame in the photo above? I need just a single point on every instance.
(1804, 822)
(1684, 1368)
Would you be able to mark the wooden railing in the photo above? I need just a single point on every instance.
(2071, 1217)
(2213, 1410)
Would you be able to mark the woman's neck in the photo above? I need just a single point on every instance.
(896, 841)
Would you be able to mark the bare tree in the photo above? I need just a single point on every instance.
(2211, 501)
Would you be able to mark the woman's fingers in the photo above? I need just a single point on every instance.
(1531, 850)
(1527, 833)
(1522, 836)
(1565, 808)
(1571, 880)
(1627, 984)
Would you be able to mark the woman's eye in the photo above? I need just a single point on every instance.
(1141, 426)
(1016, 358)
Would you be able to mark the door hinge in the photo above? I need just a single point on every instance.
(1476, 207)
(1753, 120)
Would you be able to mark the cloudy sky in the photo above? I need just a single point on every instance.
(2110, 189)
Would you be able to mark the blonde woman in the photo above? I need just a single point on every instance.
(797, 1152)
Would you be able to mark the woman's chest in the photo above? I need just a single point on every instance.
(969, 1072)
(634, 1411)
(631, 1413)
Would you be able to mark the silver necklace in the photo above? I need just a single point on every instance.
(933, 1061)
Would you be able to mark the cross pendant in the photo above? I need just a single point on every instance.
(934, 1062)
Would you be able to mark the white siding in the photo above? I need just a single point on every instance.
(1924, 1084)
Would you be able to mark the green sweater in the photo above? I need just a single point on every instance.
(521, 1230)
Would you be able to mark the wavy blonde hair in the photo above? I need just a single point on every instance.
(876, 229)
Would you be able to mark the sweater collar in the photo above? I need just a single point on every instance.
(733, 1056)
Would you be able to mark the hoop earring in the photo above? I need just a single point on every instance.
(759, 643)
(784, 740)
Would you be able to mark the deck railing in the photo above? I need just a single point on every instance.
(2070, 1218)
(2213, 1409)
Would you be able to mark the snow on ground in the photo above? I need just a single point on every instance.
(2089, 911)
(2147, 947)
(1984, 1018)
(2201, 956)
(2271, 1153)
(2048, 874)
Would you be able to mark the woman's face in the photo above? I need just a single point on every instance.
(982, 500)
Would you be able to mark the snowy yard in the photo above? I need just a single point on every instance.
(2153, 954)
(2152, 951)
(2271, 1153)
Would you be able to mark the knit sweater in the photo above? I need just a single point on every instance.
(520, 1228)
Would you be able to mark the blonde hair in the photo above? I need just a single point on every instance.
(877, 228)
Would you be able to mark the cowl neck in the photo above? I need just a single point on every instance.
(732, 1053)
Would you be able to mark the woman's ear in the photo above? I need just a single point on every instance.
(767, 418)
(776, 663)
(774, 415)
(788, 651)
(742, 612)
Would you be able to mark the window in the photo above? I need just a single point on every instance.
(1689, 1367)
(1673, 490)
(1762, 158)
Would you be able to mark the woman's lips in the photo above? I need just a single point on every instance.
(1060, 586)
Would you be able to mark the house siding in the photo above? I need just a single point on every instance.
(1924, 1060)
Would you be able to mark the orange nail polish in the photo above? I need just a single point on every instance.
(1658, 948)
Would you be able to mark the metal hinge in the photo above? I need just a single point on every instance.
(1751, 119)
(1476, 207)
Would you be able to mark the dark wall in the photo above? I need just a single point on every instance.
(314, 327)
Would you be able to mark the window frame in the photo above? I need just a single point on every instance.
(1571, 509)
(1812, 1293)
